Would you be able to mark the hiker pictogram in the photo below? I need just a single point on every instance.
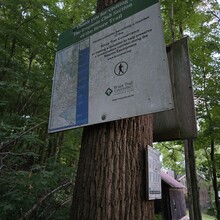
(121, 68)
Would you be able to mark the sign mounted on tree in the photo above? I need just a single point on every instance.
(110, 67)
(153, 174)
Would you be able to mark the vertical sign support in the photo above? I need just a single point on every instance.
(192, 183)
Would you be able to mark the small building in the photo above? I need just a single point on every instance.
(172, 206)
(205, 191)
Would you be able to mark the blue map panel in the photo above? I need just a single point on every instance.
(82, 87)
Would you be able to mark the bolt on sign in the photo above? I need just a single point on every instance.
(110, 67)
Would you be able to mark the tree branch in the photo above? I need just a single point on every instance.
(29, 98)
(35, 206)
(15, 154)
(172, 21)
(1, 162)
(27, 20)
(4, 145)
(59, 206)
(215, 15)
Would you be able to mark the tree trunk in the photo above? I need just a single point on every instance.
(110, 182)
(192, 183)
(214, 179)
(172, 21)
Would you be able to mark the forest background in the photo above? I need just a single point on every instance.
(37, 169)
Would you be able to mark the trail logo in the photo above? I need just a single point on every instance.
(108, 92)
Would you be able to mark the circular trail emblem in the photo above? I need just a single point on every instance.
(121, 68)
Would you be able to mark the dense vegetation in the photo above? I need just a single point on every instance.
(37, 170)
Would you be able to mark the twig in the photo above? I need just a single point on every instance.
(1, 162)
(28, 20)
(15, 154)
(13, 140)
(35, 206)
(172, 21)
(60, 206)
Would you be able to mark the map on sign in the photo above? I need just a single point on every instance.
(112, 66)
(70, 86)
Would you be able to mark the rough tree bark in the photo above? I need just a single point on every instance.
(110, 182)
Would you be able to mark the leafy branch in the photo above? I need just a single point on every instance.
(40, 201)
(60, 206)
(4, 145)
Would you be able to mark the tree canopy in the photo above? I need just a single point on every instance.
(37, 170)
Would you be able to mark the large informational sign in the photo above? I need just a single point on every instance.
(110, 67)
(153, 167)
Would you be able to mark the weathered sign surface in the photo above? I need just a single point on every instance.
(153, 167)
(112, 66)
(179, 123)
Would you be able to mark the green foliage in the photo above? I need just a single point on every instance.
(205, 56)
(158, 217)
(25, 179)
(201, 21)
(32, 162)
(211, 212)
(172, 156)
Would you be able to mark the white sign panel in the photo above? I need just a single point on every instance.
(153, 174)
(113, 66)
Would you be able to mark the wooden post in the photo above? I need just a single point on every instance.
(192, 184)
